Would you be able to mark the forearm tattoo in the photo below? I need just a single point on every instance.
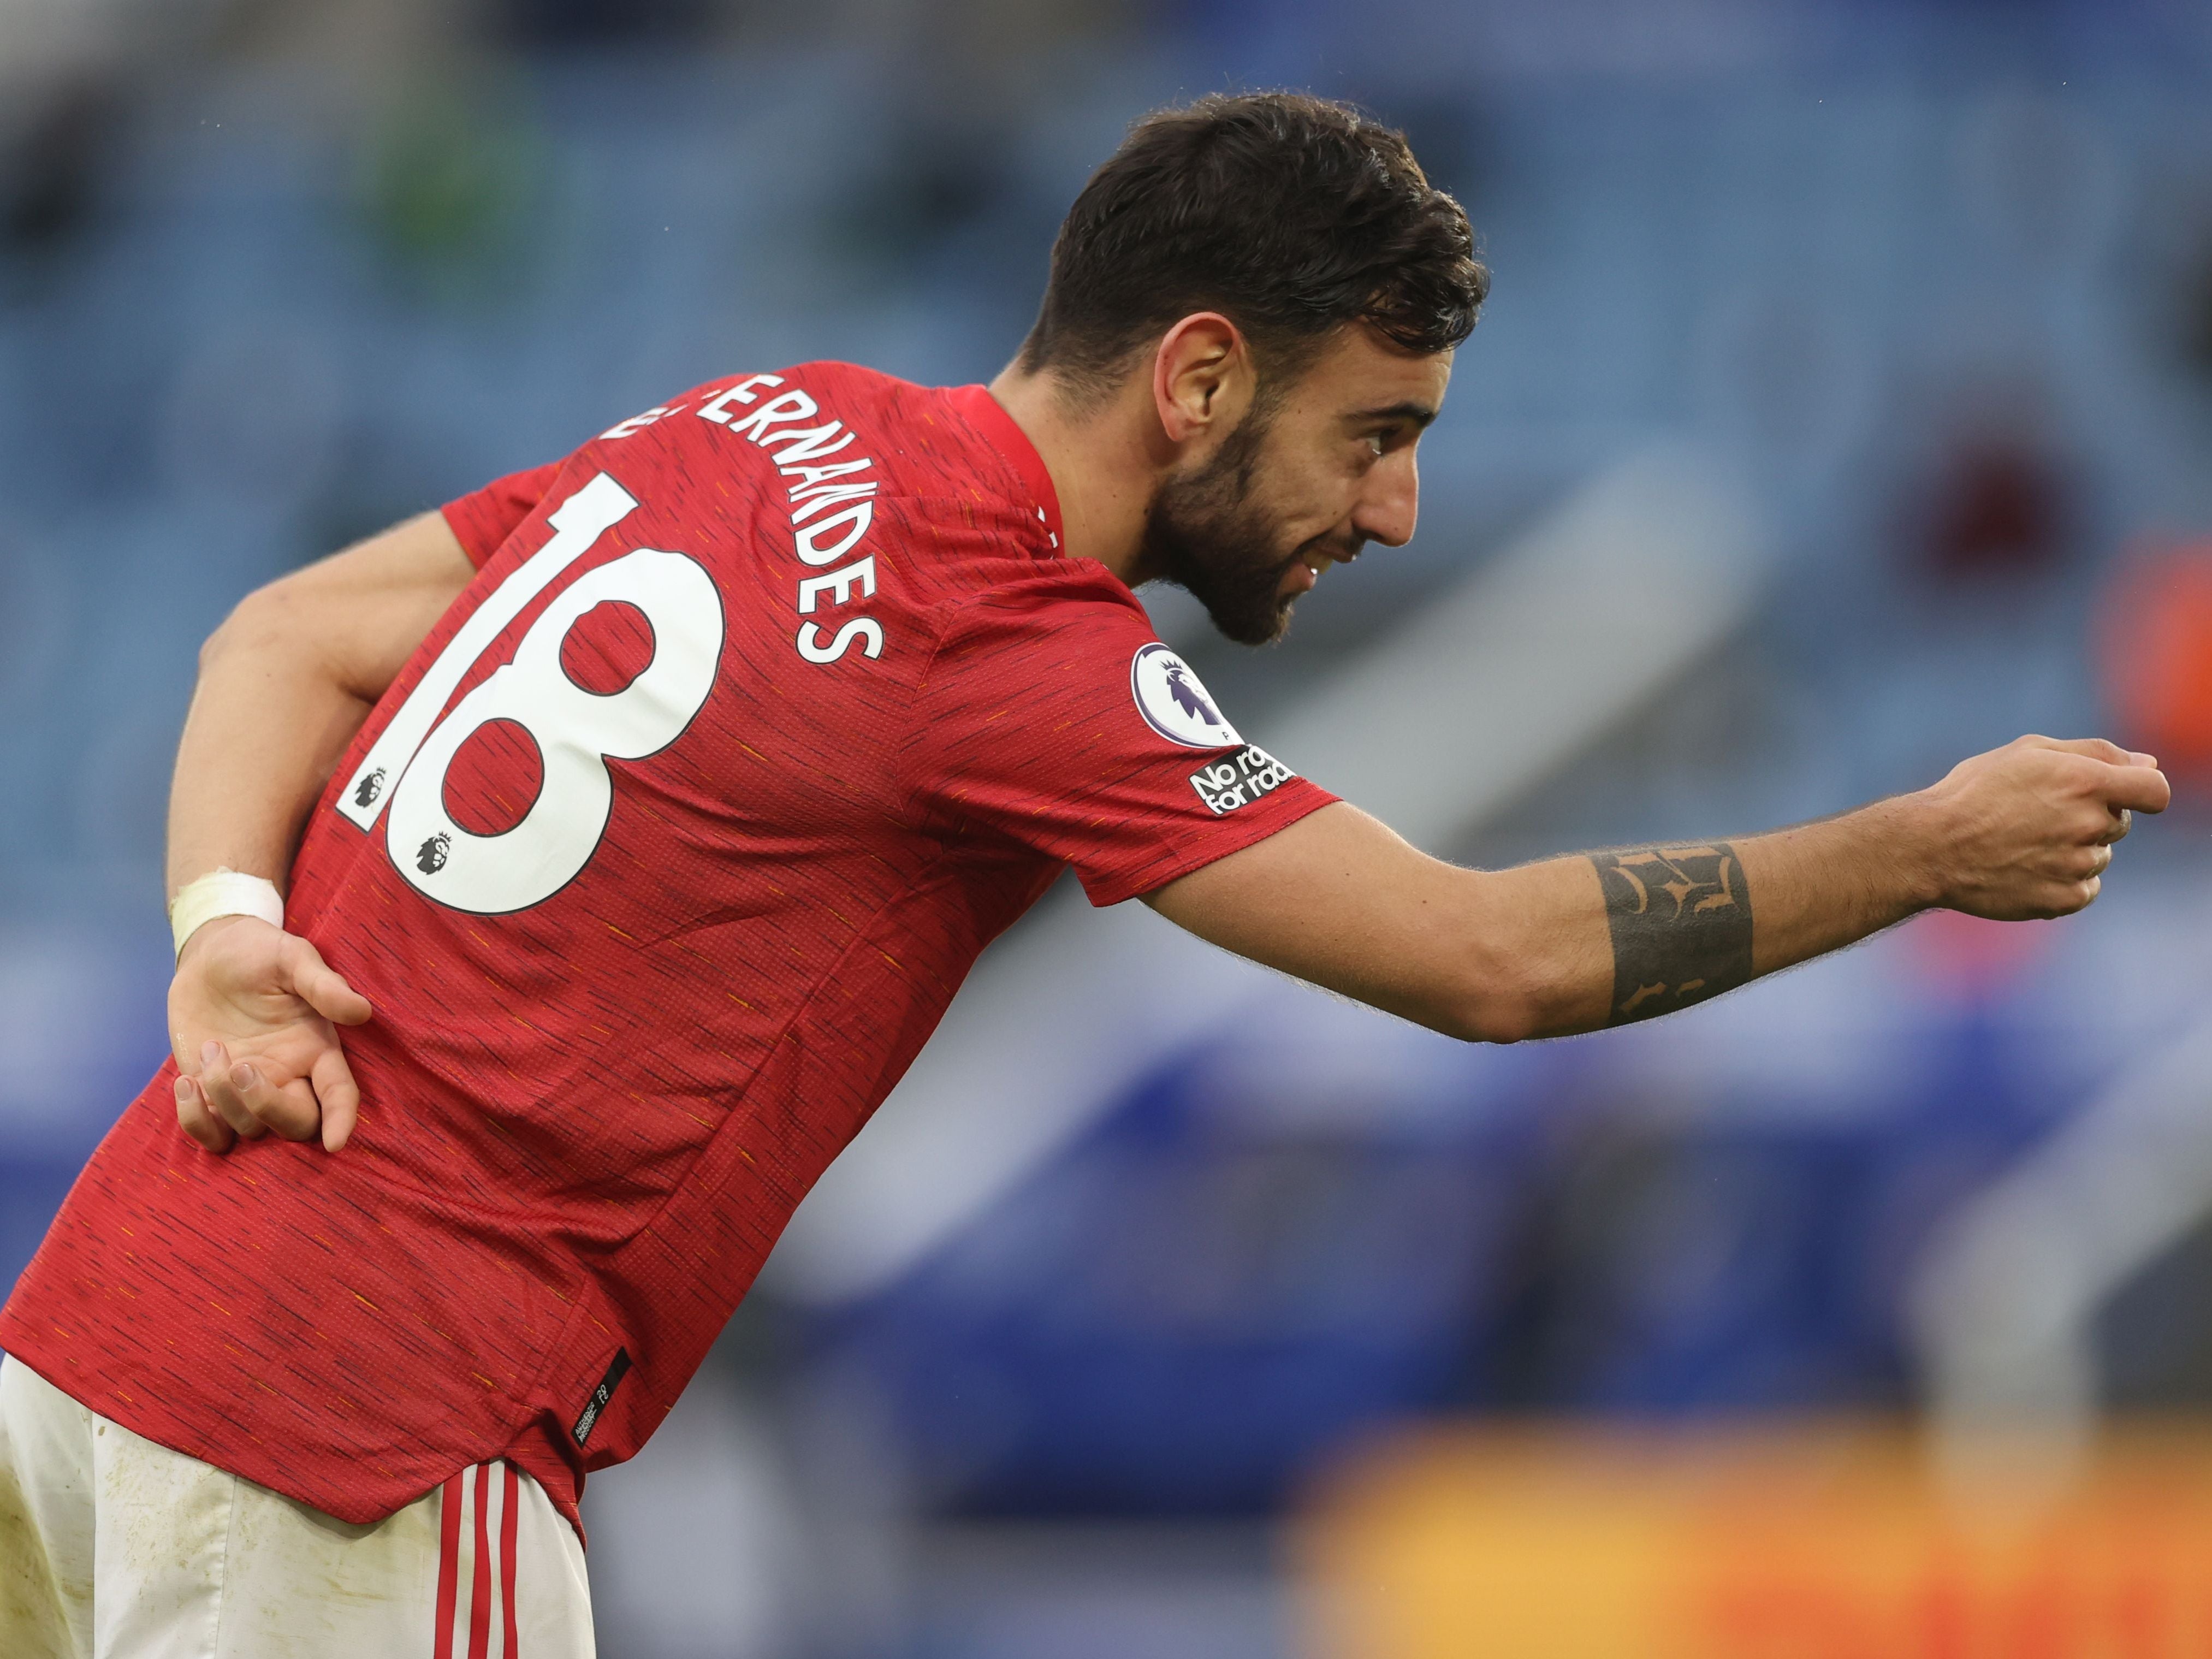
(1681, 919)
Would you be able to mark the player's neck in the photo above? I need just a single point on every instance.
(1100, 465)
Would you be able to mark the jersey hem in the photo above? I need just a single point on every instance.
(147, 1426)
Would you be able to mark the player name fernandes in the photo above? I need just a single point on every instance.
(841, 485)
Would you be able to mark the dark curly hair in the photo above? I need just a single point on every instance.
(1290, 215)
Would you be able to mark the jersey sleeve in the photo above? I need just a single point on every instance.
(1063, 724)
(482, 520)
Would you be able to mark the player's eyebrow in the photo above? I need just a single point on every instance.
(1420, 414)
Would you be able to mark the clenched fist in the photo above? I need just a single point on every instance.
(2026, 830)
(253, 1019)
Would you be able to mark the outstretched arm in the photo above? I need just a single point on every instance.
(1575, 944)
(284, 685)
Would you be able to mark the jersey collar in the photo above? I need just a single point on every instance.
(976, 405)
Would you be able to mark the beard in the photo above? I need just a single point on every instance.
(1208, 533)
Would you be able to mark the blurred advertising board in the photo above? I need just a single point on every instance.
(1822, 1540)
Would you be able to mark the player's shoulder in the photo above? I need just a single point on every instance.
(858, 391)
(821, 388)
(790, 393)
(948, 443)
(1061, 588)
(1071, 609)
(798, 392)
(948, 482)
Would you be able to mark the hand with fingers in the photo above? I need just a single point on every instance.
(2028, 830)
(253, 1019)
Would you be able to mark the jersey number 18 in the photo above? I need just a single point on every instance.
(576, 731)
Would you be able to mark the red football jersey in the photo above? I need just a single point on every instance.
(767, 711)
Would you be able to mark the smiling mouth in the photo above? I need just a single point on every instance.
(1306, 567)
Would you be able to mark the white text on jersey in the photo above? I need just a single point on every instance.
(831, 505)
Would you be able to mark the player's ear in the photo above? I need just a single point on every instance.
(1202, 377)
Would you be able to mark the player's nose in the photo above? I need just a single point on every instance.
(1390, 501)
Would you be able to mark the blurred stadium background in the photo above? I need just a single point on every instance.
(1843, 406)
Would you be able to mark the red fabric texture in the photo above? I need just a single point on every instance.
(587, 1118)
(483, 520)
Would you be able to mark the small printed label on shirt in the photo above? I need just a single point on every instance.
(600, 1395)
(1240, 780)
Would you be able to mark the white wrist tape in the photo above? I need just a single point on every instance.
(223, 893)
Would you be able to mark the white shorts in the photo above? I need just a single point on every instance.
(113, 1547)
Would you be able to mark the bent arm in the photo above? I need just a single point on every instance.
(1575, 944)
(286, 682)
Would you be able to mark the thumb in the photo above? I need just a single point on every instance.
(320, 985)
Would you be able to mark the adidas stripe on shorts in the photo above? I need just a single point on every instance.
(114, 1548)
